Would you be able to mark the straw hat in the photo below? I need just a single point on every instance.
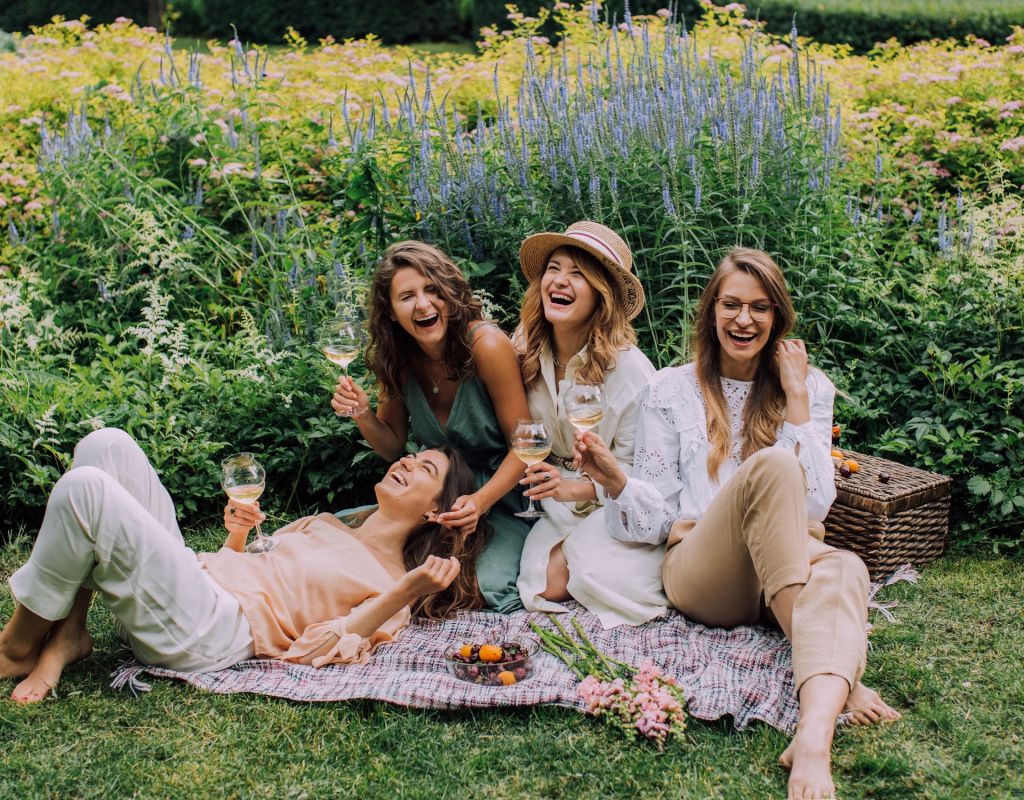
(602, 243)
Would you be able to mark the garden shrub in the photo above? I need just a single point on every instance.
(20, 15)
(177, 232)
(863, 23)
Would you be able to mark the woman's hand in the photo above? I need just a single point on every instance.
(433, 575)
(239, 519)
(596, 459)
(464, 514)
(349, 400)
(791, 357)
(543, 481)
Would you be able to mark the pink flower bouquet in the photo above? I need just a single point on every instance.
(642, 702)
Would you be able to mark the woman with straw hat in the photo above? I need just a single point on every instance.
(575, 328)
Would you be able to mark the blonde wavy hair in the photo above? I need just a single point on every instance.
(766, 406)
(609, 331)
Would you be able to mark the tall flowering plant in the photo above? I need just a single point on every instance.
(640, 701)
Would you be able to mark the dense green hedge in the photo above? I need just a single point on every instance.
(394, 21)
(862, 23)
(18, 15)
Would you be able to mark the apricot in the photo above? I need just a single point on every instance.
(491, 652)
(853, 465)
(507, 678)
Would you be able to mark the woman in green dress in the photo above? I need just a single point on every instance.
(446, 376)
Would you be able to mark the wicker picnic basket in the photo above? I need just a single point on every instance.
(904, 521)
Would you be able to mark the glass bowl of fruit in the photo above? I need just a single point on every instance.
(490, 664)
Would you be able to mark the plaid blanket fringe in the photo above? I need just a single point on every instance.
(745, 672)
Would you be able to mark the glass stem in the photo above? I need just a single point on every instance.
(259, 534)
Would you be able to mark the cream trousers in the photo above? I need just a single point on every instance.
(109, 526)
(753, 541)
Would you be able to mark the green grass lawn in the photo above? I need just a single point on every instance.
(954, 665)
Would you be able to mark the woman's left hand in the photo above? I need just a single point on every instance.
(595, 458)
(791, 356)
(464, 514)
(542, 480)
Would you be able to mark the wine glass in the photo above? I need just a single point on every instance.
(584, 406)
(341, 340)
(531, 445)
(243, 479)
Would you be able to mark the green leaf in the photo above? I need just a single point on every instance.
(979, 486)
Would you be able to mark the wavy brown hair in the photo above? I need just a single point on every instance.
(432, 539)
(391, 349)
(766, 406)
(609, 331)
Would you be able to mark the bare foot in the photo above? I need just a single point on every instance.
(809, 761)
(865, 707)
(64, 647)
(15, 663)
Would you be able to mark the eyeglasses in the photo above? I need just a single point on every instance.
(759, 310)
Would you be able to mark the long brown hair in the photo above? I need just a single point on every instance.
(766, 406)
(391, 348)
(432, 539)
(609, 331)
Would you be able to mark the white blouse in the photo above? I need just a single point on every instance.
(621, 397)
(670, 479)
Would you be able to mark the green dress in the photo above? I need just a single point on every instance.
(473, 429)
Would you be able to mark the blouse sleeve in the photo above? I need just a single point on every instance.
(623, 445)
(648, 504)
(330, 642)
(815, 446)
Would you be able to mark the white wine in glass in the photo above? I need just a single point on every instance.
(584, 406)
(243, 479)
(531, 445)
(340, 342)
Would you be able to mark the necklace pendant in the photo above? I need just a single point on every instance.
(436, 389)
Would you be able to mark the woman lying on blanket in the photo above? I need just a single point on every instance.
(326, 594)
(453, 378)
(733, 472)
(576, 327)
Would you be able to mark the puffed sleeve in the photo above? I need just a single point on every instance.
(649, 503)
(815, 445)
(330, 642)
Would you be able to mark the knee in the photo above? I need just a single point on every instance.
(849, 570)
(773, 463)
(94, 448)
(78, 483)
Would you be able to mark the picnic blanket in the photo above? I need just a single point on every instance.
(745, 672)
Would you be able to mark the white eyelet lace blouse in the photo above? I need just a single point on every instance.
(670, 480)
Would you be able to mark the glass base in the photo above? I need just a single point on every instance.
(264, 545)
(531, 514)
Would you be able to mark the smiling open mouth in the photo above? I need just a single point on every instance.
(427, 322)
(742, 338)
(399, 478)
(560, 299)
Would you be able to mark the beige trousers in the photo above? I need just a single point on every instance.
(110, 526)
(754, 540)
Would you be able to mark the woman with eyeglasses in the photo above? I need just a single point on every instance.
(733, 472)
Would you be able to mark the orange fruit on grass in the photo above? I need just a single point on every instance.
(491, 652)
(466, 650)
(852, 465)
(507, 678)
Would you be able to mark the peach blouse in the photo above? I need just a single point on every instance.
(297, 598)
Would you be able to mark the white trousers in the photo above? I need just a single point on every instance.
(110, 527)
